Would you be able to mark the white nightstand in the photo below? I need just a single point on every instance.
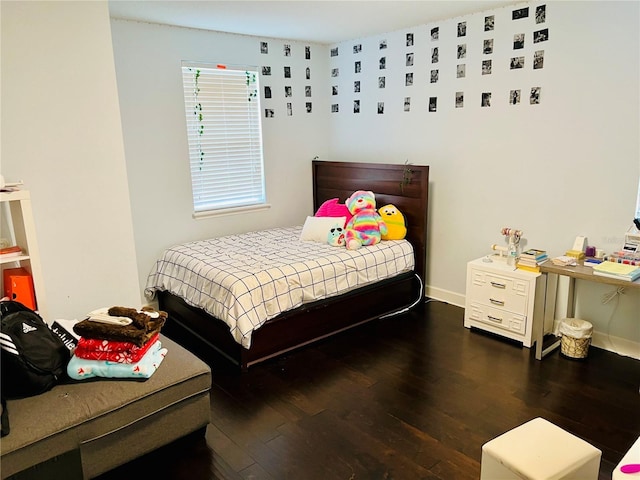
(504, 300)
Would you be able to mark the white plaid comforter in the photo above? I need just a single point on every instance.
(250, 278)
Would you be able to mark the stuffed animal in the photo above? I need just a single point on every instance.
(396, 225)
(366, 227)
(336, 236)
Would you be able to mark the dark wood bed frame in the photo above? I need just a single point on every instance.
(406, 187)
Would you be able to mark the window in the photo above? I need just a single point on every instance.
(222, 108)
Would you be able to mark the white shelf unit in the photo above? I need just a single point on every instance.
(18, 216)
(504, 300)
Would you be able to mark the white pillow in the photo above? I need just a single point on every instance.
(316, 229)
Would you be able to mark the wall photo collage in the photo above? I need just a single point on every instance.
(526, 51)
(271, 76)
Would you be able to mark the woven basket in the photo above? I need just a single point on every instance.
(575, 347)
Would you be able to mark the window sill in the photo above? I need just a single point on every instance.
(231, 211)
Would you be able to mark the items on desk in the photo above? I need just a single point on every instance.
(628, 258)
(575, 254)
(531, 259)
(591, 261)
(619, 271)
(564, 261)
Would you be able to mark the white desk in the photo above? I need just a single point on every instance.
(552, 272)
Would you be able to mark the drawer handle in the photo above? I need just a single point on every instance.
(498, 285)
(494, 319)
(496, 302)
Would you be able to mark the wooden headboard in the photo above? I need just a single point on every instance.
(405, 186)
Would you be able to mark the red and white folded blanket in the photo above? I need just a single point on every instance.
(112, 351)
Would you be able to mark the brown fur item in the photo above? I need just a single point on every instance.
(139, 332)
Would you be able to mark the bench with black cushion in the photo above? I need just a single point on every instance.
(93, 426)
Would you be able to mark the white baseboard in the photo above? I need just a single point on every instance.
(445, 296)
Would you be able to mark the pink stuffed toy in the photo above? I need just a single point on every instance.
(366, 226)
(331, 208)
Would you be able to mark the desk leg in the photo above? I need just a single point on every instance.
(551, 291)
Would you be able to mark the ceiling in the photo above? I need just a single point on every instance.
(319, 21)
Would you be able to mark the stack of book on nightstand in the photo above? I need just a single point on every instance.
(531, 259)
(620, 271)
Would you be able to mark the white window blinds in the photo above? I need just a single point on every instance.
(225, 137)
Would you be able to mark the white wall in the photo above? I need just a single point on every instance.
(148, 65)
(61, 134)
(566, 167)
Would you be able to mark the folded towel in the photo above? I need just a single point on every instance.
(81, 369)
(119, 352)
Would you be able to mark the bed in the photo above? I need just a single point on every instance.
(405, 186)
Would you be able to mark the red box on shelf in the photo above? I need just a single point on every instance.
(18, 286)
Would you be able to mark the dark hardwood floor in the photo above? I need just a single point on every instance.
(407, 397)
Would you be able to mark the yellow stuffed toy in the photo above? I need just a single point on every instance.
(396, 226)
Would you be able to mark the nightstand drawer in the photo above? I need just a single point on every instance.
(496, 317)
(499, 291)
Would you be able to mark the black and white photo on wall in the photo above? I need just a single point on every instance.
(516, 63)
(486, 99)
(461, 70)
(462, 51)
(489, 23)
(307, 90)
(407, 104)
(409, 60)
(459, 99)
(356, 86)
(380, 108)
(357, 48)
(520, 13)
(309, 107)
(514, 97)
(486, 67)
(357, 67)
(434, 76)
(334, 90)
(287, 72)
(462, 29)
(288, 91)
(267, 92)
(408, 79)
(334, 52)
(334, 108)
(382, 82)
(435, 33)
(307, 73)
(487, 46)
(287, 50)
(356, 106)
(538, 59)
(382, 63)
(433, 104)
(434, 55)
(382, 45)
(269, 113)
(264, 47)
(266, 71)
(307, 52)
(335, 72)
(534, 97)
(541, 14)
(289, 109)
(518, 41)
(541, 35)
(409, 39)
